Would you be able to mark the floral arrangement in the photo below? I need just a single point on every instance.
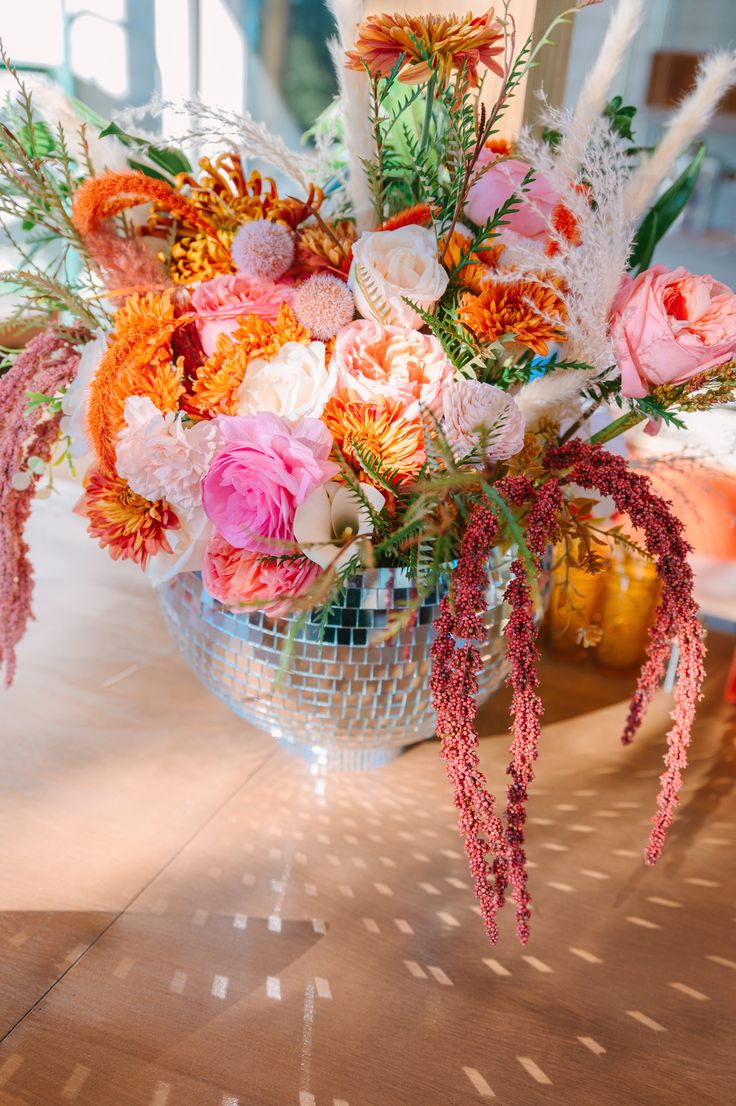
(414, 358)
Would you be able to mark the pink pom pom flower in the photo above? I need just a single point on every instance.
(263, 248)
(324, 304)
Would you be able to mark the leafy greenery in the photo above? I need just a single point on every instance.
(664, 212)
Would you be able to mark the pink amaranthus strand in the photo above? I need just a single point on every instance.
(46, 365)
(496, 854)
(523, 655)
(595, 468)
(456, 660)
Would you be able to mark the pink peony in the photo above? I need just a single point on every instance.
(235, 576)
(667, 326)
(219, 303)
(533, 216)
(263, 471)
(388, 361)
(471, 407)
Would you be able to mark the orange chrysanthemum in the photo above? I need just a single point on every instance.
(138, 361)
(216, 383)
(320, 250)
(481, 262)
(224, 198)
(532, 313)
(127, 525)
(428, 43)
(379, 428)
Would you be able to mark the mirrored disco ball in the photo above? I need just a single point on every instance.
(345, 700)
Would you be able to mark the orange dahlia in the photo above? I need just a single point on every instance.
(429, 44)
(138, 361)
(379, 428)
(214, 390)
(127, 525)
(532, 313)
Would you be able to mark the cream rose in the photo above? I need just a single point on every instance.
(295, 384)
(471, 408)
(398, 263)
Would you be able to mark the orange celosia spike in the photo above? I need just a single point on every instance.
(138, 361)
(420, 215)
(99, 198)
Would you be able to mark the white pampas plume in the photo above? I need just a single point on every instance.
(594, 94)
(211, 124)
(716, 74)
(356, 108)
(555, 396)
(58, 110)
(586, 277)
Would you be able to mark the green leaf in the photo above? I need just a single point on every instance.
(663, 213)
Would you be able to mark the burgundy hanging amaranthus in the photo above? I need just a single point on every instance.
(494, 844)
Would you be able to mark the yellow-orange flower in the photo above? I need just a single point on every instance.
(480, 263)
(532, 313)
(215, 387)
(138, 361)
(127, 525)
(326, 249)
(378, 428)
(224, 198)
(428, 43)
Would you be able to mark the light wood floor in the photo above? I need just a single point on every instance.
(188, 918)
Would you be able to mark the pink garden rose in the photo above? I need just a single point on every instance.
(531, 219)
(235, 577)
(219, 303)
(373, 360)
(263, 471)
(668, 326)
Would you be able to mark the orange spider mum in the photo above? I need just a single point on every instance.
(138, 361)
(379, 428)
(451, 42)
(532, 313)
(325, 249)
(225, 198)
(481, 261)
(127, 525)
(216, 383)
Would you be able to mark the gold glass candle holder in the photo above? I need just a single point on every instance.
(574, 604)
(629, 598)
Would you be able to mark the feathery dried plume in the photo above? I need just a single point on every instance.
(356, 108)
(594, 94)
(212, 124)
(586, 276)
(716, 74)
(553, 397)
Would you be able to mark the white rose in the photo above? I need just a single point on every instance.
(329, 520)
(295, 384)
(470, 408)
(398, 263)
(75, 403)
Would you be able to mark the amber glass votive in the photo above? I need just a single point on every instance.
(628, 604)
(573, 605)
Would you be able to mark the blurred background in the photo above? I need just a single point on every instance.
(270, 57)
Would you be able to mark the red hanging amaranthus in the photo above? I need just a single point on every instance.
(677, 616)
(46, 364)
(495, 845)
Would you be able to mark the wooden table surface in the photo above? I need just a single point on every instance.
(189, 918)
